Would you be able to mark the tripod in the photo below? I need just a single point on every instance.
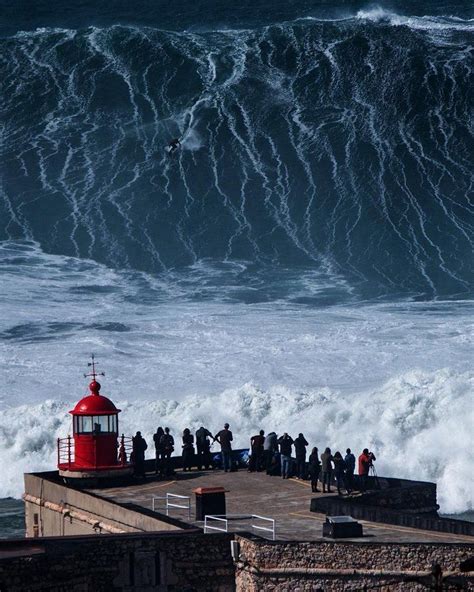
(373, 472)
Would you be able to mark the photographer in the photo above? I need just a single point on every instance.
(365, 462)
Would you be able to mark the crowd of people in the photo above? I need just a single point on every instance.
(267, 453)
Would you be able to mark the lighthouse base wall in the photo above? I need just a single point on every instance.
(56, 509)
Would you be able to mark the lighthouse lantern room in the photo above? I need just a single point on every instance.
(95, 450)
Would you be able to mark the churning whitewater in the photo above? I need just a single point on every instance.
(303, 261)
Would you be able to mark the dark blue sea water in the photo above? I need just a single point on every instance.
(308, 246)
(307, 129)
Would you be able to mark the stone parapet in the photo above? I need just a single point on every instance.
(335, 566)
(361, 511)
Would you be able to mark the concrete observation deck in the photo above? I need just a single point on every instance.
(286, 501)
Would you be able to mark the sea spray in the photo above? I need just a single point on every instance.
(406, 422)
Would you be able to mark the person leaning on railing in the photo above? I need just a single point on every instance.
(285, 442)
(224, 437)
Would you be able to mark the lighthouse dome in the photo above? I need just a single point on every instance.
(94, 404)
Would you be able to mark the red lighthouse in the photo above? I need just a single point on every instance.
(95, 450)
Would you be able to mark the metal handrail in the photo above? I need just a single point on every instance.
(169, 504)
(228, 517)
(219, 518)
(66, 451)
(125, 450)
(256, 527)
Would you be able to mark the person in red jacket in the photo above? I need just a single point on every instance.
(365, 462)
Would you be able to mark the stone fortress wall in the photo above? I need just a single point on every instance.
(190, 561)
(175, 561)
(127, 548)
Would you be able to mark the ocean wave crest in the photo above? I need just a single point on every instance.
(424, 23)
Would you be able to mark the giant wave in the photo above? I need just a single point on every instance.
(301, 147)
(302, 263)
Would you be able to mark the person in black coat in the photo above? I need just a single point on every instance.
(157, 440)
(203, 445)
(300, 444)
(314, 469)
(188, 450)
(139, 446)
(167, 448)
(256, 447)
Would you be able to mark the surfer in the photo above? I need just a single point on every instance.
(173, 145)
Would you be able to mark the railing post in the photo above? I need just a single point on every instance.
(122, 452)
(69, 451)
(59, 454)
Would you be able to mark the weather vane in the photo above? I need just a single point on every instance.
(94, 373)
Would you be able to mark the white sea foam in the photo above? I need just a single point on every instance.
(187, 348)
(425, 23)
(418, 424)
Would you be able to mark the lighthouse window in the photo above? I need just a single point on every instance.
(85, 423)
(101, 423)
(112, 423)
(95, 424)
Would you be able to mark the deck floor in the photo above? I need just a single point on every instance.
(287, 501)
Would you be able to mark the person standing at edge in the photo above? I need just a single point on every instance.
(256, 447)
(339, 470)
(203, 446)
(167, 447)
(139, 446)
(270, 446)
(157, 440)
(188, 449)
(350, 461)
(300, 453)
(224, 437)
(285, 443)
(326, 466)
(314, 469)
(365, 462)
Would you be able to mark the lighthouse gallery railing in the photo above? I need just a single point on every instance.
(66, 451)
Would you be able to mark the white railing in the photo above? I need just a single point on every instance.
(220, 522)
(171, 499)
(222, 519)
(270, 529)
